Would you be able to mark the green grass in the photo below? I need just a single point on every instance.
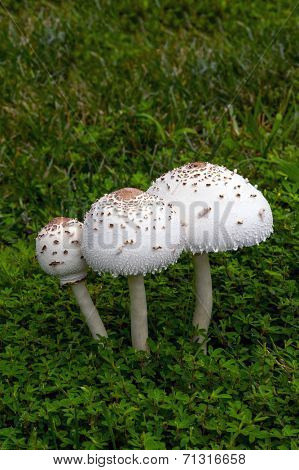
(98, 95)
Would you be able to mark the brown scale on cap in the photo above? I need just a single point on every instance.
(204, 212)
(127, 193)
(261, 213)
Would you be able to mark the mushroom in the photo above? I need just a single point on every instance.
(131, 233)
(58, 251)
(220, 211)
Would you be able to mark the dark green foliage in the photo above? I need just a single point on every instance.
(100, 95)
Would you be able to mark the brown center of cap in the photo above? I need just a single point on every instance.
(198, 165)
(58, 221)
(127, 193)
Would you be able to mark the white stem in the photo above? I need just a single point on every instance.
(89, 310)
(138, 310)
(203, 294)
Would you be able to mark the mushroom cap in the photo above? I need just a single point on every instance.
(219, 209)
(129, 232)
(58, 250)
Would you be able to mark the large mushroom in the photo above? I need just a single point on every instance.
(219, 211)
(58, 251)
(131, 233)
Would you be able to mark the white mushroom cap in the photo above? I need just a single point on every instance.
(219, 209)
(58, 250)
(129, 232)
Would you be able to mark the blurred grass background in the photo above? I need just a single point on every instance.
(98, 95)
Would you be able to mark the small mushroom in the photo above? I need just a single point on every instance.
(68, 264)
(132, 252)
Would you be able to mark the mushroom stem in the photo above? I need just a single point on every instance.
(203, 295)
(138, 310)
(88, 310)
